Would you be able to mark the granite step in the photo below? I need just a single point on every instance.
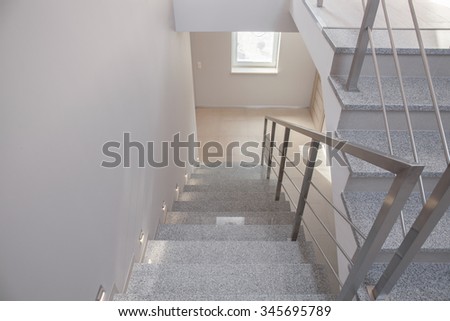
(182, 281)
(202, 179)
(226, 297)
(368, 98)
(231, 218)
(420, 282)
(241, 186)
(227, 252)
(343, 41)
(219, 196)
(363, 207)
(238, 205)
(429, 149)
(180, 232)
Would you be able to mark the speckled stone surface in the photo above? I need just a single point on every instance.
(368, 97)
(244, 205)
(227, 239)
(233, 181)
(184, 280)
(245, 218)
(344, 41)
(226, 297)
(364, 206)
(428, 143)
(232, 252)
(213, 196)
(178, 232)
(420, 282)
(243, 186)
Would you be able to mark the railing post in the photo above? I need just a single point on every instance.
(320, 3)
(272, 141)
(264, 142)
(287, 131)
(398, 194)
(362, 44)
(425, 223)
(313, 149)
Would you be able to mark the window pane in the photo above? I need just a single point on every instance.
(255, 47)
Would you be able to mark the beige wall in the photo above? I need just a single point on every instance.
(74, 75)
(215, 86)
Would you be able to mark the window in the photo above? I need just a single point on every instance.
(255, 52)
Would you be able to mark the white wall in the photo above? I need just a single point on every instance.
(215, 86)
(233, 15)
(75, 74)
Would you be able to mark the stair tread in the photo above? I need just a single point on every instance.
(225, 297)
(420, 282)
(344, 41)
(368, 98)
(231, 218)
(364, 206)
(178, 232)
(249, 204)
(231, 252)
(212, 279)
(212, 196)
(429, 149)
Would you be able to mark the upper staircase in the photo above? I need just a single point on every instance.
(375, 114)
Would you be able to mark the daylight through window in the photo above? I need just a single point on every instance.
(255, 52)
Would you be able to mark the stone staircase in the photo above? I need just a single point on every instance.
(362, 122)
(226, 239)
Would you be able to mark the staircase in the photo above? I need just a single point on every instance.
(226, 239)
(362, 122)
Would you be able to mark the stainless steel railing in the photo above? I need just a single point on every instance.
(406, 178)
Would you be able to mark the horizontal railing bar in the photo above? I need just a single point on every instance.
(389, 163)
(339, 212)
(330, 234)
(323, 254)
(295, 186)
(290, 199)
(296, 167)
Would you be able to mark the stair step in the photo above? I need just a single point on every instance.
(231, 182)
(226, 297)
(242, 186)
(429, 149)
(178, 232)
(214, 196)
(231, 173)
(243, 205)
(420, 282)
(345, 40)
(364, 206)
(231, 218)
(231, 252)
(368, 98)
(181, 281)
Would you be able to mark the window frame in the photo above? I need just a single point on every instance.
(253, 66)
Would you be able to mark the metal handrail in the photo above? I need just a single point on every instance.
(406, 178)
(429, 217)
(340, 247)
(403, 94)
(357, 230)
(429, 80)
